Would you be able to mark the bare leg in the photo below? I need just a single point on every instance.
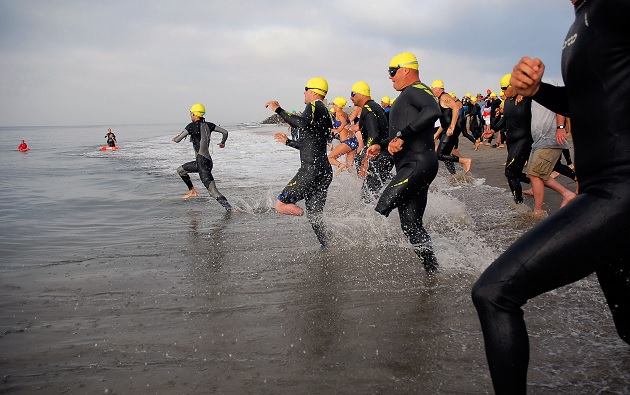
(289, 209)
(538, 190)
(567, 195)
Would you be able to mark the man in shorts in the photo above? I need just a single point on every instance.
(549, 140)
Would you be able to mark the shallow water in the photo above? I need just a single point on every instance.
(111, 282)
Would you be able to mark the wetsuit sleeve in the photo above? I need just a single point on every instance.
(499, 123)
(429, 112)
(370, 125)
(223, 132)
(181, 136)
(298, 121)
(554, 98)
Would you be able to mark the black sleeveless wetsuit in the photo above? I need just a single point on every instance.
(588, 235)
(199, 133)
(447, 143)
(518, 134)
(315, 173)
(413, 114)
(374, 129)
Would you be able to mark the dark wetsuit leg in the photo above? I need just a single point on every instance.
(204, 168)
(444, 150)
(564, 170)
(378, 173)
(578, 240)
(311, 184)
(408, 192)
(518, 153)
(183, 170)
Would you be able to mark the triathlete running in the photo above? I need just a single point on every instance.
(199, 131)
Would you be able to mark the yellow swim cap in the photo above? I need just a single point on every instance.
(468, 95)
(493, 94)
(473, 100)
(437, 84)
(317, 85)
(361, 87)
(505, 81)
(198, 110)
(386, 99)
(404, 60)
(340, 101)
(451, 94)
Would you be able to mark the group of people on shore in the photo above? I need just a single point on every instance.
(584, 237)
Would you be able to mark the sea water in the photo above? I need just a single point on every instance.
(110, 281)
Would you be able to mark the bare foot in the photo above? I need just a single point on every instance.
(566, 198)
(340, 169)
(467, 163)
(501, 146)
(190, 193)
(528, 192)
(477, 143)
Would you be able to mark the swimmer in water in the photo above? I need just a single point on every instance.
(586, 236)
(199, 131)
(315, 173)
(22, 146)
(111, 138)
(410, 141)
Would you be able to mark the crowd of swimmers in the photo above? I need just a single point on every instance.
(584, 237)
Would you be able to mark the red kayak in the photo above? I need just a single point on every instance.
(108, 148)
(23, 149)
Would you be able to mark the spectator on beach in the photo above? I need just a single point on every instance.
(315, 173)
(548, 141)
(585, 236)
(410, 142)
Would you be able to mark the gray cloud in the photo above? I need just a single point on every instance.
(75, 62)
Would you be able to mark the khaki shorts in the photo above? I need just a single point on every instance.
(542, 161)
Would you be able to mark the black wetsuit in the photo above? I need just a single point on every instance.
(413, 114)
(518, 132)
(462, 120)
(111, 139)
(374, 129)
(315, 173)
(199, 133)
(586, 236)
(447, 143)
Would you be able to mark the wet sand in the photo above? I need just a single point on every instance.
(191, 300)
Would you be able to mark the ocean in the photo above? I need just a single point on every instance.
(110, 282)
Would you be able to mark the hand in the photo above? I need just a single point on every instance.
(450, 131)
(527, 75)
(273, 105)
(373, 150)
(395, 145)
(280, 137)
(221, 145)
(362, 172)
(174, 139)
(561, 136)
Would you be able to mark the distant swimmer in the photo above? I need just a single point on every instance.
(22, 146)
(199, 131)
(111, 138)
(410, 141)
(315, 173)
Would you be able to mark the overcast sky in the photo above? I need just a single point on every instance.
(132, 62)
